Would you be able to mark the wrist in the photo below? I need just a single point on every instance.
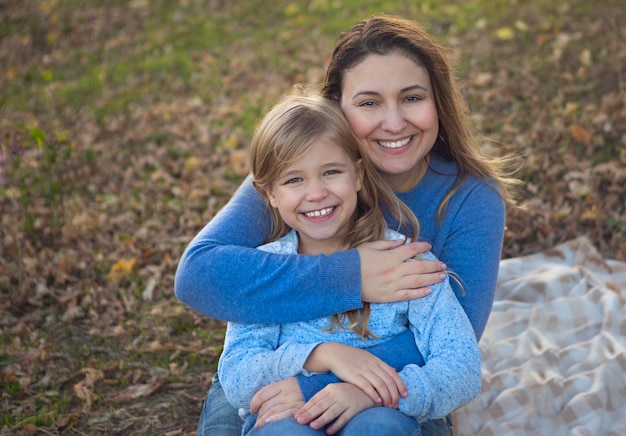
(318, 358)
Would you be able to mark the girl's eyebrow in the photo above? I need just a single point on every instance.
(403, 90)
(324, 165)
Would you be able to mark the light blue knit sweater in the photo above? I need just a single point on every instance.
(256, 355)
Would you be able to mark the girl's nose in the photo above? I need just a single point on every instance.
(316, 190)
(393, 120)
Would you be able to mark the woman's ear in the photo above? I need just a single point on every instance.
(360, 173)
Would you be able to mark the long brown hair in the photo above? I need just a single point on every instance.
(457, 140)
(285, 134)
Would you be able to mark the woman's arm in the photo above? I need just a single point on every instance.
(474, 230)
(223, 276)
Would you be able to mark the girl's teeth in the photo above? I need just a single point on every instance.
(318, 213)
(395, 144)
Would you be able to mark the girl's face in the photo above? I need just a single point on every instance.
(388, 101)
(317, 196)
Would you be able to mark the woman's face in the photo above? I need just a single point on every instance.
(388, 101)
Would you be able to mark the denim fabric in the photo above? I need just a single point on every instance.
(378, 421)
(218, 417)
(437, 427)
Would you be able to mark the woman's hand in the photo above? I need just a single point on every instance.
(373, 376)
(338, 402)
(277, 401)
(387, 277)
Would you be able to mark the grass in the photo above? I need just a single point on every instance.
(156, 100)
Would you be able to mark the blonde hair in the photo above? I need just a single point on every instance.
(284, 135)
(456, 141)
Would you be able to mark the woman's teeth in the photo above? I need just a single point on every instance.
(319, 213)
(395, 144)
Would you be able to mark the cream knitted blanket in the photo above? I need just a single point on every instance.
(554, 350)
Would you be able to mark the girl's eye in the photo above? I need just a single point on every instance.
(331, 172)
(293, 180)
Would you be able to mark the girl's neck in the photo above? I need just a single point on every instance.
(314, 248)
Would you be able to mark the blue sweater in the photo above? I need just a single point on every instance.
(256, 355)
(222, 275)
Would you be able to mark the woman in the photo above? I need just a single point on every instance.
(396, 88)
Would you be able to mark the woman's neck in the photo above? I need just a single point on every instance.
(410, 179)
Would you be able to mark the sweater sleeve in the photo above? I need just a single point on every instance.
(451, 375)
(472, 250)
(223, 276)
(252, 359)
(397, 352)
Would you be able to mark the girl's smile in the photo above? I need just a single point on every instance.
(316, 195)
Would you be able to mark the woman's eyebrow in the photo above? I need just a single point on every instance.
(403, 90)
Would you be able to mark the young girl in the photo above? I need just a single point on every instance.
(326, 197)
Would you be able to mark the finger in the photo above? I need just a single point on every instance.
(372, 386)
(385, 386)
(273, 417)
(382, 245)
(314, 407)
(264, 395)
(394, 387)
(415, 280)
(329, 415)
(420, 247)
(339, 423)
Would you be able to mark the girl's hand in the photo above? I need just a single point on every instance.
(338, 402)
(373, 376)
(387, 277)
(277, 401)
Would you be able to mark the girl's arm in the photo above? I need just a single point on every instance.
(252, 359)
(451, 375)
(397, 353)
(354, 365)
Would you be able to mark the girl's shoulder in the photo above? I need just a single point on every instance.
(392, 235)
(287, 244)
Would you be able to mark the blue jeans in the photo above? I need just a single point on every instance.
(378, 421)
(219, 418)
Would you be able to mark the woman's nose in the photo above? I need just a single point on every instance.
(393, 120)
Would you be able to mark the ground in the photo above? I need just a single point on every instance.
(124, 128)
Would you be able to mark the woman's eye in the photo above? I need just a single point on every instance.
(367, 103)
(414, 98)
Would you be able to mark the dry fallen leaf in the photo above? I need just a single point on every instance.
(121, 269)
(580, 134)
(85, 393)
(136, 391)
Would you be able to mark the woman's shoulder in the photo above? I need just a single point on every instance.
(445, 171)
